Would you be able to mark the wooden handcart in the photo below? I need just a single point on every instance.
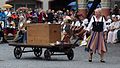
(62, 49)
(41, 36)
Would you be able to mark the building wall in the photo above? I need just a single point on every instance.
(45, 5)
(115, 2)
(26, 3)
(2, 2)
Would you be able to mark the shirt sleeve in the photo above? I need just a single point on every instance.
(90, 24)
(72, 24)
(117, 24)
(77, 23)
(83, 24)
(62, 23)
(21, 24)
(104, 26)
(111, 25)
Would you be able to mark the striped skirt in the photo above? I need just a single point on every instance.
(97, 43)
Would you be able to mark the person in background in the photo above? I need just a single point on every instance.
(34, 16)
(75, 26)
(3, 18)
(21, 36)
(2, 34)
(29, 14)
(108, 21)
(21, 29)
(111, 29)
(115, 30)
(118, 33)
(8, 14)
(80, 29)
(29, 20)
(68, 12)
(10, 28)
(1, 30)
(96, 42)
(41, 16)
(15, 18)
(50, 16)
(117, 27)
(22, 19)
(66, 33)
(55, 19)
(86, 36)
(2, 26)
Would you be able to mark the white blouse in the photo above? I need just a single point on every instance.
(85, 21)
(114, 25)
(117, 24)
(77, 23)
(101, 19)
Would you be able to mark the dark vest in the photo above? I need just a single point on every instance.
(97, 26)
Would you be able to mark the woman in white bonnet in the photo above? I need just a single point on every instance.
(117, 27)
(113, 29)
(97, 39)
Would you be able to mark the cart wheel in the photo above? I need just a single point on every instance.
(37, 52)
(70, 54)
(17, 52)
(47, 54)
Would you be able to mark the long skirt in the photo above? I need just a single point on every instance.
(97, 43)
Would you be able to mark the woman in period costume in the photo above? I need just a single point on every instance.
(117, 28)
(97, 38)
(113, 29)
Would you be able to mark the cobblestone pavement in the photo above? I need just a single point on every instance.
(28, 60)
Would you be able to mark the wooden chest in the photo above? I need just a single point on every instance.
(43, 34)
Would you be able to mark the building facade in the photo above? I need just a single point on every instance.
(60, 4)
(25, 3)
(106, 6)
(45, 4)
(2, 2)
